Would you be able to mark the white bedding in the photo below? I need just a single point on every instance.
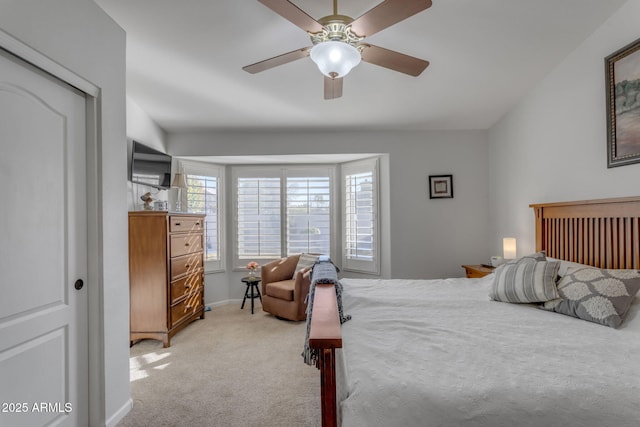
(440, 353)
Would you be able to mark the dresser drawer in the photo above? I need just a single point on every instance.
(187, 264)
(185, 223)
(186, 307)
(185, 286)
(182, 244)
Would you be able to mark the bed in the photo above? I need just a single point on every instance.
(441, 353)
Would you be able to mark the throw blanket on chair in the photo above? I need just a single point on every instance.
(324, 272)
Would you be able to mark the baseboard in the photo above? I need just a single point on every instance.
(225, 302)
(114, 419)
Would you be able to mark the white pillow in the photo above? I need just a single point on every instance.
(306, 260)
(565, 265)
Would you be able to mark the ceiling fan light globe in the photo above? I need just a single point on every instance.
(335, 59)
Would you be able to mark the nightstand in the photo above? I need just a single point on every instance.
(475, 271)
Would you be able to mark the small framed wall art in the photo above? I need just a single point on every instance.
(440, 186)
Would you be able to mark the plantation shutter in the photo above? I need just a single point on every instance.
(360, 216)
(203, 196)
(281, 211)
(308, 204)
(258, 218)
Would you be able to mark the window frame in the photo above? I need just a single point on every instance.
(189, 167)
(371, 165)
(238, 172)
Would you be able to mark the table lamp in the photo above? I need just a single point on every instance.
(509, 248)
(179, 182)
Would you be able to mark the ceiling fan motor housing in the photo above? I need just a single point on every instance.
(336, 28)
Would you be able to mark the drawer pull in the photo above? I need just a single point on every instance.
(188, 307)
(178, 224)
(186, 266)
(187, 244)
(187, 286)
(197, 223)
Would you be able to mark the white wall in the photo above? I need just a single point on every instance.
(78, 35)
(426, 238)
(141, 128)
(552, 145)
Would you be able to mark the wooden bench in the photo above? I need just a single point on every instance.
(325, 336)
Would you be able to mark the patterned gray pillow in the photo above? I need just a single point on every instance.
(525, 281)
(596, 295)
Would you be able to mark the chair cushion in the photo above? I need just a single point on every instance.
(281, 290)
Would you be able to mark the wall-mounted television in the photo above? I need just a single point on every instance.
(150, 167)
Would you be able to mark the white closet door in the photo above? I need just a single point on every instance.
(43, 242)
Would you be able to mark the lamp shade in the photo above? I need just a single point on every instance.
(335, 59)
(509, 248)
(179, 181)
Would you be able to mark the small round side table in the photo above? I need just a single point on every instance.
(252, 283)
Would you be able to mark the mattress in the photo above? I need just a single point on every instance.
(441, 353)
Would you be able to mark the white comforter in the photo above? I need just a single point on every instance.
(440, 353)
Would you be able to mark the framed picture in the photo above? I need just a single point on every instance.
(440, 186)
(623, 105)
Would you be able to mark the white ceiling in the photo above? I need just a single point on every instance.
(185, 59)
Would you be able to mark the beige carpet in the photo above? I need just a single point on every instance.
(230, 369)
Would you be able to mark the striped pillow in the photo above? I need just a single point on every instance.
(526, 281)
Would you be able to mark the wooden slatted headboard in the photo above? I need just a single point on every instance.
(603, 233)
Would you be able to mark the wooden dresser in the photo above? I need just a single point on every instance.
(166, 273)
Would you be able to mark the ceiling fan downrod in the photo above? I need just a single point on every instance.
(337, 28)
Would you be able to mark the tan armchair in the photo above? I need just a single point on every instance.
(283, 294)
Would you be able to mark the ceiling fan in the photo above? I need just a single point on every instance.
(338, 41)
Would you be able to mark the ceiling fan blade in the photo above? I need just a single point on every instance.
(332, 88)
(386, 14)
(293, 14)
(277, 60)
(393, 60)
